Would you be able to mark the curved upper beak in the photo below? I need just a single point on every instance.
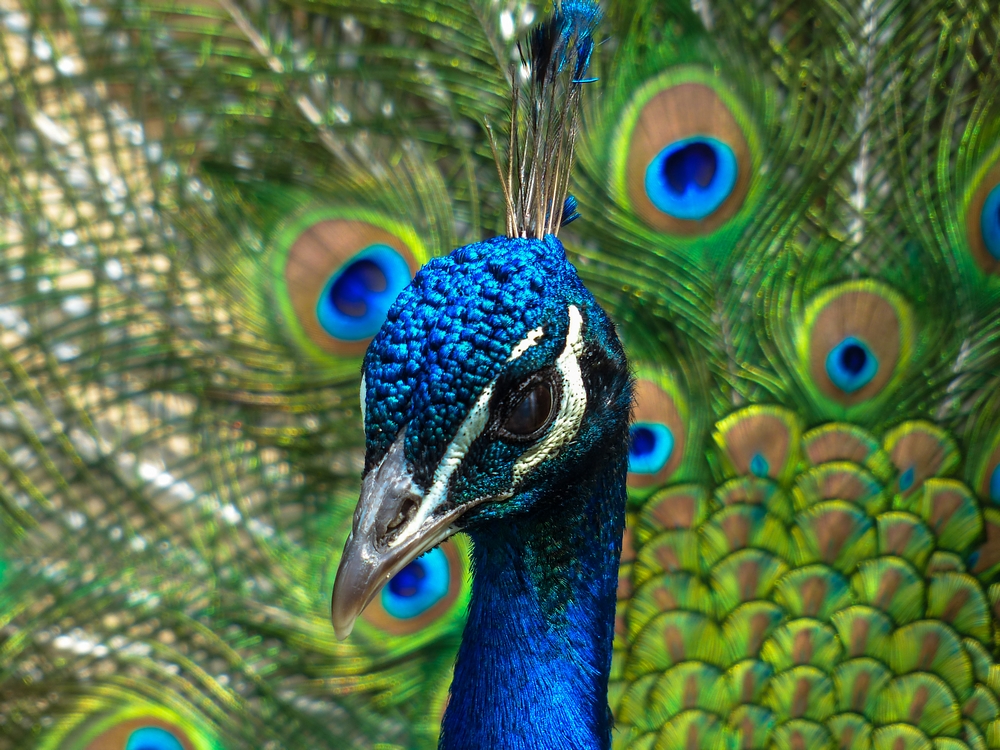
(395, 522)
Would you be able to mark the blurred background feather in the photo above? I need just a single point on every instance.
(789, 208)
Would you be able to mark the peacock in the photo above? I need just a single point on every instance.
(789, 211)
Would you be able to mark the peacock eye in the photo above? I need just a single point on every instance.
(690, 178)
(685, 154)
(851, 365)
(856, 338)
(657, 437)
(356, 297)
(418, 586)
(429, 589)
(989, 222)
(982, 217)
(340, 277)
(650, 447)
(142, 733)
(153, 738)
(531, 414)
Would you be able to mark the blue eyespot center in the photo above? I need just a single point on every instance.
(359, 280)
(759, 465)
(851, 365)
(408, 582)
(853, 359)
(995, 484)
(357, 297)
(694, 163)
(418, 586)
(650, 446)
(152, 738)
(690, 178)
(989, 222)
(907, 478)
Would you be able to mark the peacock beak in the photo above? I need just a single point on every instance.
(395, 522)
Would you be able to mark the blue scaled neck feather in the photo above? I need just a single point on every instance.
(537, 644)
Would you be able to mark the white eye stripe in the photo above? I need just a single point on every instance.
(437, 493)
(533, 337)
(572, 404)
(364, 395)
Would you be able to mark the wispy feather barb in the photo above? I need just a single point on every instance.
(544, 119)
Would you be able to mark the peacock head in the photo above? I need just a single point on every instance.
(495, 382)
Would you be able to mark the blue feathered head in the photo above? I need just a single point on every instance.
(495, 381)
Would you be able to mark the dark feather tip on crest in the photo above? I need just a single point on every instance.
(544, 121)
(569, 210)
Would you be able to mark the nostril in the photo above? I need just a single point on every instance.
(407, 510)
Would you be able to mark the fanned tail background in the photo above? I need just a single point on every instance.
(791, 210)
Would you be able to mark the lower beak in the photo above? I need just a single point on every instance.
(392, 527)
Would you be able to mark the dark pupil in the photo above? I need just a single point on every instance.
(694, 162)
(531, 413)
(406, 583)
(351, 291)
(642, 441)
(853, 359)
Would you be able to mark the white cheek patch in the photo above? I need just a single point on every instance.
(572, 404)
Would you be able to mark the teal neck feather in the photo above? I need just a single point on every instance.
(532, 671)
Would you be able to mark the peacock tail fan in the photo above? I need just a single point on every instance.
(791, 210)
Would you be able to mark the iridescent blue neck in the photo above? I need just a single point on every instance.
(532, 671)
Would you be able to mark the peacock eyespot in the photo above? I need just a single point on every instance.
(422, 593)
(982, 218)
(357, 296)
(341, 276)
(989, 222)
(988, 482)
(144, 732)
(153, 738)
(760, 441)
(418, 586)
(919, 450)
(657, 437)
(684, 154)
(851, 365)
(531, 412)
(690, 178)
(650, 447)
(856, 338)
(907, 478)
(759, 465)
